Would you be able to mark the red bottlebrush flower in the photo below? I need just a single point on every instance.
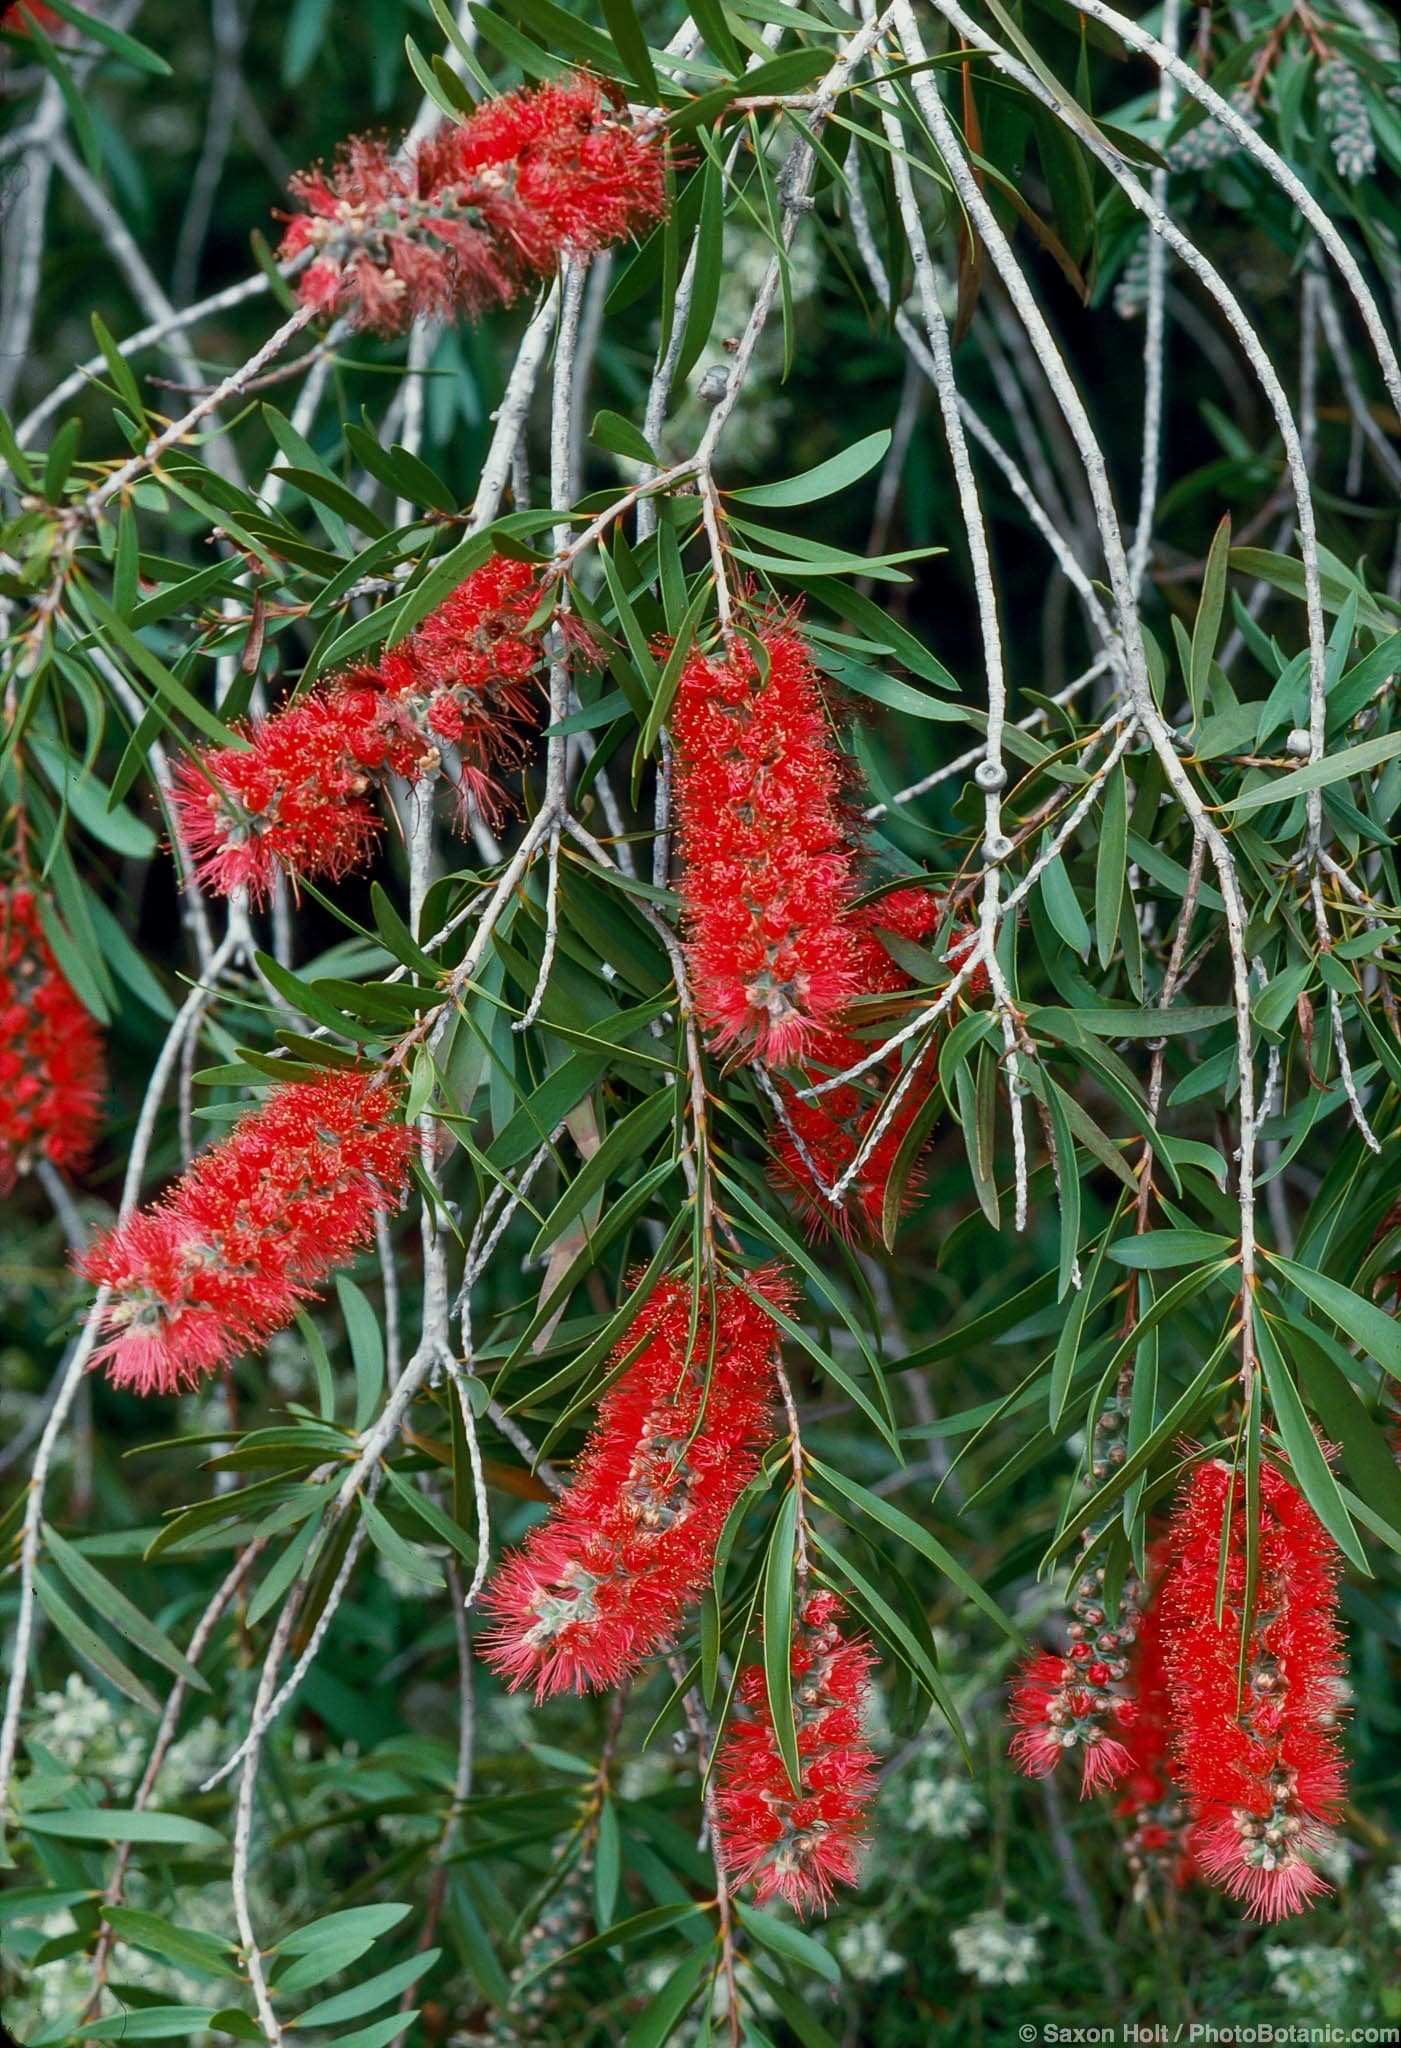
(51, 1074)
(476, 213)
(298, 798)
(243, 1238)
(604, 1581)
(1259, 1762)
(797, 1846)
(1156, 1844)
(22, 16)
(831, 1129)
(769, 869)
(1081, 1700)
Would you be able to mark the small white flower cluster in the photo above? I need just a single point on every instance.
(642, 1776)
(942, 1805)
(87, 1733)
(864, 1953)
(1315, 1978)
(995, 1950)
(1388, 1898)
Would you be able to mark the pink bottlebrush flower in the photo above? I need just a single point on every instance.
(1255, 1749)
(797, 1846)
(604, 1581)
(299, 797)
(832, 1128)
(769, 868)
(475, 213)
(243, 1238)
(51, 1072)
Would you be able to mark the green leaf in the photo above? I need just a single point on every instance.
(607, 1864)
(1063, 907)
(126, 1824)
(792, 72)
(1092, 1512)
(403, 1555)
(903, 1526)
(90, 1646)
(151, 2023)
(1311, 1468)
(778, 1634)
(612, 431)
(364, 1924)
(709, 267)
(627, 1931)
(1338, 589)
(713, 23)
(114, 1607)
(1207, 627)
(1155, 1250)
(656, 2025)
(1358, 760)
(76, 106)
(159, 676)
(1360, 1320)
(631, 45)
(349, 2005)
(1067, 1188)
(1111, 864)
(788, 1941)
(206, 1954)
(825, 479)
(366, 1350)
(1368, 1458)
(379, 2033)
(1108, 1021)
(664, 695)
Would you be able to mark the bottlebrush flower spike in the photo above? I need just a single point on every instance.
(1156, 1845)
(295, 799)
(51, 1073)
(820, 1138)
(1081, 1700)
(604, 1581)
(243, 1238)
(769, 870)
(1260, 1764)
(447, 698)
(797, 1846)
(475, 213)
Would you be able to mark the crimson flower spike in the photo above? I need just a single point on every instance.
(1156, 1846)
(51, 1071)
(449, 698)
(798, 1846)
(244, 1237)
(770, 871)
(476, 213)
(819, 1139)
(1084, 1699)
(605, 1580)
(1255, 1745)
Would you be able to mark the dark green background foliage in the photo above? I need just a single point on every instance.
(945, 1387)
